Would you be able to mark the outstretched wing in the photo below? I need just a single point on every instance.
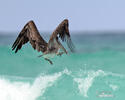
(62, 31)
(30, 34)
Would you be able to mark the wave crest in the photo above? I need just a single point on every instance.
(25, 90)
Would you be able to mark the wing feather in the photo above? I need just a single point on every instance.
(62, 31)
(30, 34)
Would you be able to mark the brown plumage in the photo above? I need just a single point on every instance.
(30, 34)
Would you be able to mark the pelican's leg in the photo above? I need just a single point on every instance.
(49, 61)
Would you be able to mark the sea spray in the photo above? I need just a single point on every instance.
(25, 90)
(85, 83)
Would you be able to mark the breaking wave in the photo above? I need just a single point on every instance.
(19, 90)
(25, 90)
(85, 83)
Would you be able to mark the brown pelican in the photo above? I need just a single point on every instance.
(30, 34)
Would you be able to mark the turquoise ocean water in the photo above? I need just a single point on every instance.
(95, 72)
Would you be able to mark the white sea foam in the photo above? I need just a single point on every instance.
(15, 77)
(85, 83)
(25, 90)
(114, 87)
(116, 74)
(18, 90)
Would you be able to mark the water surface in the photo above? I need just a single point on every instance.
(95, 72)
